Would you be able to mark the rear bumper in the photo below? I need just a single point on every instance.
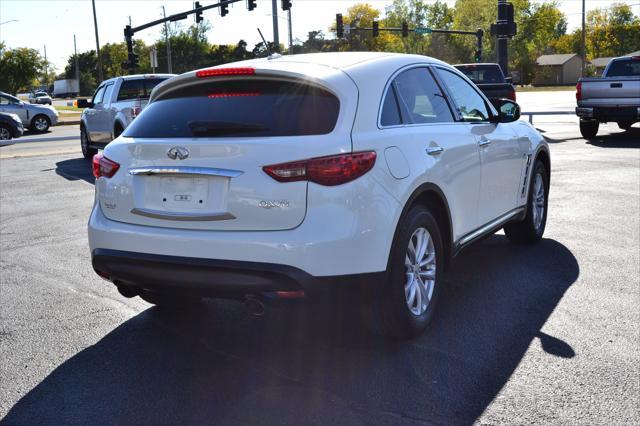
(630, 113)
(214, 277)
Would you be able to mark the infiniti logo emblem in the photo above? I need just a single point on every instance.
(178, 152)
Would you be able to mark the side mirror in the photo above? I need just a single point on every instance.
(508, 111)
(84, 103)
(509, 80)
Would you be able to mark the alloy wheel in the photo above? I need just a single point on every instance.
(4, 134)
(538, 201)
(41, 124)
(420, 269)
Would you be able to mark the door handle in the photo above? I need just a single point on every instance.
(484, 142)
(434, 150)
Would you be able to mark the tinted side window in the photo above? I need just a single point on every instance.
(390, 112)
(107, 92)
(421, 97)
(469, 103)
(97, 97)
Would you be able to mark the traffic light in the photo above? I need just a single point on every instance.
(286, 4)
(405, 29)
(198, 13)
(224, 9)
(339, 26)
(376, 28)
(478, 56)
(251, 4)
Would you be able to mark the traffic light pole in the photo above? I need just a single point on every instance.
(501, 46)
(130, 31)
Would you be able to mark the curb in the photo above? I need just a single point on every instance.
(68, 122)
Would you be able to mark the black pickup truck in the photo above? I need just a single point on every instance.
(490, 80)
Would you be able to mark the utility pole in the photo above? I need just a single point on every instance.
(168, 43)
(290, 33)
(584, 38)
(76, 56)
(95, 25)
(274, 12)
(46, 70)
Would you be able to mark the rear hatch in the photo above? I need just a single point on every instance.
(193, 159)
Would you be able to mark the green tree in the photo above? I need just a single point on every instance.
(19, 68)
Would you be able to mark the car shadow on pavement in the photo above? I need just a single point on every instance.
(76, 169)
(221, 366)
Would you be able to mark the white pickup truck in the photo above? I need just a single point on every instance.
(614, 97)
(115, 103)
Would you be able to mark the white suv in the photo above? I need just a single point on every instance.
(285, 177)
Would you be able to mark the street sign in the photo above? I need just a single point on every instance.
(421, 30)
(153, 57)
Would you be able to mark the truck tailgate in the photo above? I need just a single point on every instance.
(615, 91)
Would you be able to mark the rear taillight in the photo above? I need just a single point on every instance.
(579, 91)
(512, 95)
(216, 72)
(103, 167)
(328, 171)
(136, 109)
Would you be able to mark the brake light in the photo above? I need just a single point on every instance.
(216, 72)
(579, 91)
(136, 109)
(512, 95)
(328, 171)
(103, 167)
(232, 94)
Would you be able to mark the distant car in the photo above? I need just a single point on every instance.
(40, 98)
(613, 97)
(10, 127)
(115, 103)
(490, 80)
(37, 118)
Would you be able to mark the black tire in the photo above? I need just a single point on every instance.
(589, 128)
(40, 123)
(117, 130)
(173, 302)
(389, 312)
(625, 125)
(87, 152)
(528, 230)
(5, 132)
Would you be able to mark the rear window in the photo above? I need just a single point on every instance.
(624, 68)
(239, 108)
(136, 89)
(478, 74)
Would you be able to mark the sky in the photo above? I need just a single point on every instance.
(54, 22)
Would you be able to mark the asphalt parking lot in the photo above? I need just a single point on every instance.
(545, 334)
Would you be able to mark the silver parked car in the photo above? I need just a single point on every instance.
(37, 118)
(42, 98)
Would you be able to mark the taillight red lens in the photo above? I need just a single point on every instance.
(328, 171)
(103, 167)
(579, 91)
(216, 72)
(512, 95)
(232, 94)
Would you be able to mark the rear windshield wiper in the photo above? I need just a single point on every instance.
(217, 128)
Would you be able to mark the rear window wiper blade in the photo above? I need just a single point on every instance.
(215, 128)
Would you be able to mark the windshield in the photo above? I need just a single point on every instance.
(40, 94)
(239, 108)
(624, 68)
(482, 74)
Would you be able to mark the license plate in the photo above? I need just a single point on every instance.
(181, 193)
